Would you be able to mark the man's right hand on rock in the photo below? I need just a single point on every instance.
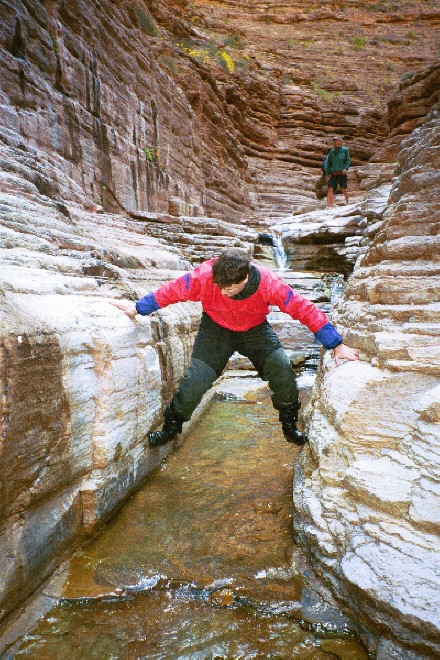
(126, 306)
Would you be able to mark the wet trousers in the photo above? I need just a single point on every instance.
(213, 347)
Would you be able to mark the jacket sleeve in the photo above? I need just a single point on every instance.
(182, 289)
(187, 287)
(305, 311)
(347, 159)
(328, 162)
(147, 305)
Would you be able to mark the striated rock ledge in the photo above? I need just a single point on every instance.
(125, 157)
(332, 241)
(81, 383)
(367, 490)
(408, 108)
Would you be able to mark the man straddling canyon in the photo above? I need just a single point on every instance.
(336, 166)
(235, 296)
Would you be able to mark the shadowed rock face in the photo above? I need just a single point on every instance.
(367, 491)
(408, 108)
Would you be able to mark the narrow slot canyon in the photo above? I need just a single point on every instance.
(137, 142)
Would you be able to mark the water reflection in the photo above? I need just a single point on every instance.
(198, 562)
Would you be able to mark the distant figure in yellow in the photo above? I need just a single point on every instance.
(336, 166)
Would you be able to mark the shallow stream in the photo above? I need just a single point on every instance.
(198, 563)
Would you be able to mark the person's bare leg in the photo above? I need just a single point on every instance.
(330, 198)
(344, 190)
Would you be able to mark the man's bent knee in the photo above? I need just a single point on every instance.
(195, 382)
(279, 372)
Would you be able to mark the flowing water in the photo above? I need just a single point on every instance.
(198, 563)
(282, 262)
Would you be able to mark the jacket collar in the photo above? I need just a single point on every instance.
(251, 285)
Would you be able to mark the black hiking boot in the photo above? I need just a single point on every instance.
(289, 419)
(171, 428)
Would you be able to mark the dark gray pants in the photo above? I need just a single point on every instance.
(214, 346)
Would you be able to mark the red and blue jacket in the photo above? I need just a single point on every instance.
(241, 315)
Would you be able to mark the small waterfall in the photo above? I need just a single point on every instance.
(277, 249)
(279, 253)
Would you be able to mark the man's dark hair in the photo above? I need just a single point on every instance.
(230, 268)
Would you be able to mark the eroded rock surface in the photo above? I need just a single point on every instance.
(81, 382)
(367, 493)
(218, 109)
(137, 139)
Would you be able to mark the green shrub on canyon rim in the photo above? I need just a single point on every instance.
(146, 22)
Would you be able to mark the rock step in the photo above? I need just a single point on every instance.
(199, 237)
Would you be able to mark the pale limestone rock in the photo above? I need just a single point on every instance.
(82, 382)
(375, 202)
(404, 579)
(425, 504)
(382, 479)
(374, 458)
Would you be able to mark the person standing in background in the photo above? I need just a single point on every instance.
(336, 167)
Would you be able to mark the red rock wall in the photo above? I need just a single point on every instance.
(333, 67)
(93, 106)
(127, 105)
(408, 108)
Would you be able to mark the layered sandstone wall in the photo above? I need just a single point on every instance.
(124, 128)
(100, 107)
(221, 108)
(333, 68)
(81, 383)
(93, 124)
(408, 108)
(367, 490)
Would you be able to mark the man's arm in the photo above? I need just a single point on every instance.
(144, 306)
(331, 339)
(329, 162)
(343, 353)
(303, 310)
(182, 289)
(347, 160)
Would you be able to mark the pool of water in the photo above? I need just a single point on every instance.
(198, 563)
